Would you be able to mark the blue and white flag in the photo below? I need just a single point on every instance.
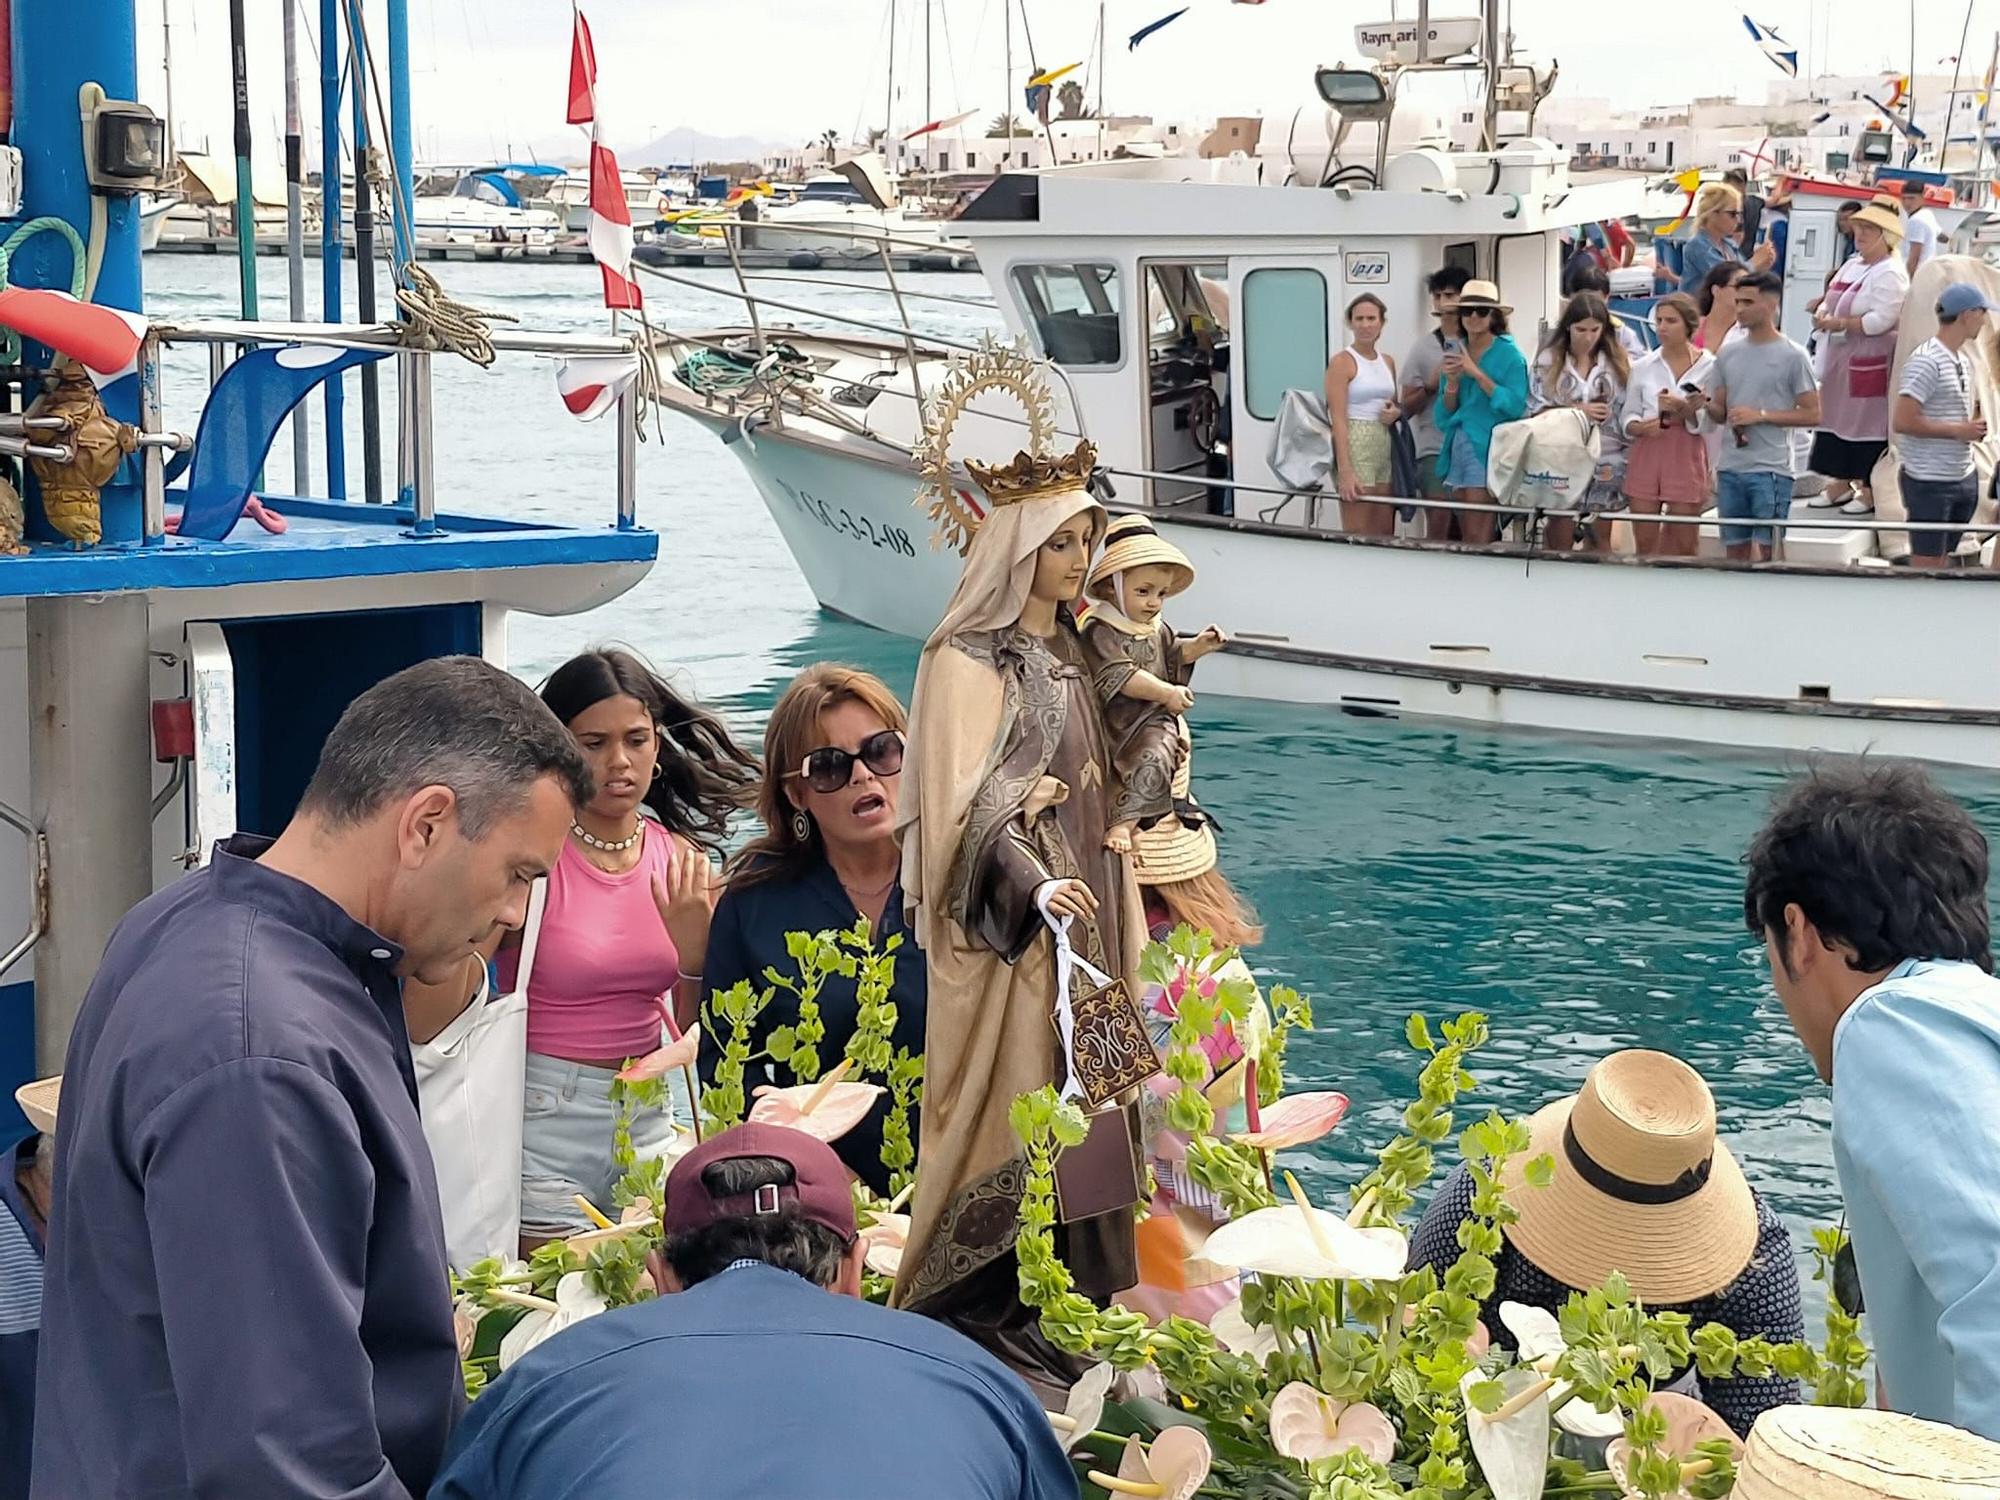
(1152, 26)
(1784, 56)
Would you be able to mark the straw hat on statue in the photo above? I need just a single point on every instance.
(1835, 1453)
(1642, 1186)
(39, 1101)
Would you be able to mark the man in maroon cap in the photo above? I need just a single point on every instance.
(747, 1379)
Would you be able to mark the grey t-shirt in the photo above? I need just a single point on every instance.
(1421, 368)
(1768, 376)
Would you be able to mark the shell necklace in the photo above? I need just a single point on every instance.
(609, 846)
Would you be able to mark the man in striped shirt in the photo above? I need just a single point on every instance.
(1936, 425)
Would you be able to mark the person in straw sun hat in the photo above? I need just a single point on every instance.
(1644, 1188)
(25, 1193)
(1140, 669)
(1838, 1453)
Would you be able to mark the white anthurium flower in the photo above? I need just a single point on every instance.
(1233, 1331)
(885, 1239)
(1512, 1445)
(1307, 1424)
(575, 1300)
(1172, 1469)
(1079, 1417)
(1539, 1335)
(1297, 1239)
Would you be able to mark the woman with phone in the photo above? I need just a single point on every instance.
(1583, 365)
(1668, 470)
(1361, 408)
(1485, 384)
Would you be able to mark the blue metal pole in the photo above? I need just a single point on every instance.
(364, 260)
(245, 213)
(57, 48)
(401, 137)
(330, 235)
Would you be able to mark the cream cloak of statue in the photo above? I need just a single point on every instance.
(981, 736)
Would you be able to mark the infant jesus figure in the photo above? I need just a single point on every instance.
(1139, 669)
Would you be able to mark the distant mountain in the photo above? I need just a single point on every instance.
(686, 144)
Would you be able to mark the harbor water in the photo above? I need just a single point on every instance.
(1584, 896)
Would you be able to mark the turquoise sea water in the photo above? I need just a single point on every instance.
(1585, 896)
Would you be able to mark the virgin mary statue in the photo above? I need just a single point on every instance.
(1003, 831)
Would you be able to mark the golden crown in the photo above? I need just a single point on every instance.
(1034, 471)
(1031, 474)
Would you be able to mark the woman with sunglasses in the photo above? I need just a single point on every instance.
(1718, 218)
(833, 760)
(625, 928)
(1484, 384)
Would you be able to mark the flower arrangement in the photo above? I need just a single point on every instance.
(1340, 1375)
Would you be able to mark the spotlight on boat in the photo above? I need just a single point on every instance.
(1357, 93)
(129, 147)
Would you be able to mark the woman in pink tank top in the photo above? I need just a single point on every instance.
(624, 932)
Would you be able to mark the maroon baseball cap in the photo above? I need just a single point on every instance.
(819, 1181)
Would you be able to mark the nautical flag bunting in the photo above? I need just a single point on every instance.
(945, 124)
(1042, 80)
(1152, 26)
(591, 384)
(1986, 84)
(610, 215)
(104, 340)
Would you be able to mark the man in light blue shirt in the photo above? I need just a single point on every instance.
(1868, 886)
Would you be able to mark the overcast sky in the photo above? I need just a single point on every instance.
(489, 75)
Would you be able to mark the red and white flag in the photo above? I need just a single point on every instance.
(610, 216)
(104, 340)
(592, 383)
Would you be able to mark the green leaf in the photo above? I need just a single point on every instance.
(1417, 1032)
(1541, 1171)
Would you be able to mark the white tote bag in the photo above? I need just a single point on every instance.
(470, 1080)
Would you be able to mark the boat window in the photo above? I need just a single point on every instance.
(1074, 310)
(1283, 334)
(1464, 254)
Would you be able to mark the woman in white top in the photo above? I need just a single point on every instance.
(1584, 366)
(1361, 408)
(1857, 321)
(1669, 468)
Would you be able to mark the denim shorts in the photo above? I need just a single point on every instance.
(1952, 500)
(566, 1144)
(1465, 466)
(1758, 495)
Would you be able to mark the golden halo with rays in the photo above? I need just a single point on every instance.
(994, 366)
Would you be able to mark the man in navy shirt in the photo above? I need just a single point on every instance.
(246, 1292)
(761, 1374)
(27, 1176)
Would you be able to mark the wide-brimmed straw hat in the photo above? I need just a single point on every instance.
(1642, 1186)
(1131, 542)
(1170, 850)
(1840, 1453)
(1882, 213)
(38, 1101)
(1482, 294)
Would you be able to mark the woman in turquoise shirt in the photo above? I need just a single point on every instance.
(1485, 384)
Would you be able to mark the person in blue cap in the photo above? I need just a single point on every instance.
(1936, 421)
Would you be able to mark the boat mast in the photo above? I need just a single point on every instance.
(1007, 94)
(246, 204)
(1100, 80)
(889, 101)
(928, 4)
(295, 244)
(1491, 11)
(167, 61)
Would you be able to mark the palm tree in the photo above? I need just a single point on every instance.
(1069, 100)
(828, 140)
(1005, 125)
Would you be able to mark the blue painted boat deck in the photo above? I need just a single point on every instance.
(326, 539)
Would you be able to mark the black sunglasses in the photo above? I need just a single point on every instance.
(1475, 312)
(830, 768)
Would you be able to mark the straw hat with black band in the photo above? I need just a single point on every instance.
(1642, 1186)
(1130, 542)
(39, 1100)
(1170, 850)
(1841, 1453)
(1482, 294)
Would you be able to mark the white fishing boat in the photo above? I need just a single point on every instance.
(481, 208)
(569, 197)
(846, 214)
(1180, 299)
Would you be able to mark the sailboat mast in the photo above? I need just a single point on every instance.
(167, 61)
(889, 101)
(1007, 94)
(295, 241)
(928, 6)
(1100, 80)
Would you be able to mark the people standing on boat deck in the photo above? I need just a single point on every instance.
(1923, 236)
(1718, 308)
(1361, 407)
(1868, 886)
(761, 1373)
(1718, 217)
(246, 1289)
(1668, 470)
(826, 857)
(1856, 320)
(1937, 420)
(1422, 376)
(624, 935)
(1484, 384)
(1595, 280)
(1582, 365)
(1646, 1188)
(1762, 387)
(26, 1190)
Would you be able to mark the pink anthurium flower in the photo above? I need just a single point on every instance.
(1306, 1424)
(827, 1109)
(1295, 1120)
